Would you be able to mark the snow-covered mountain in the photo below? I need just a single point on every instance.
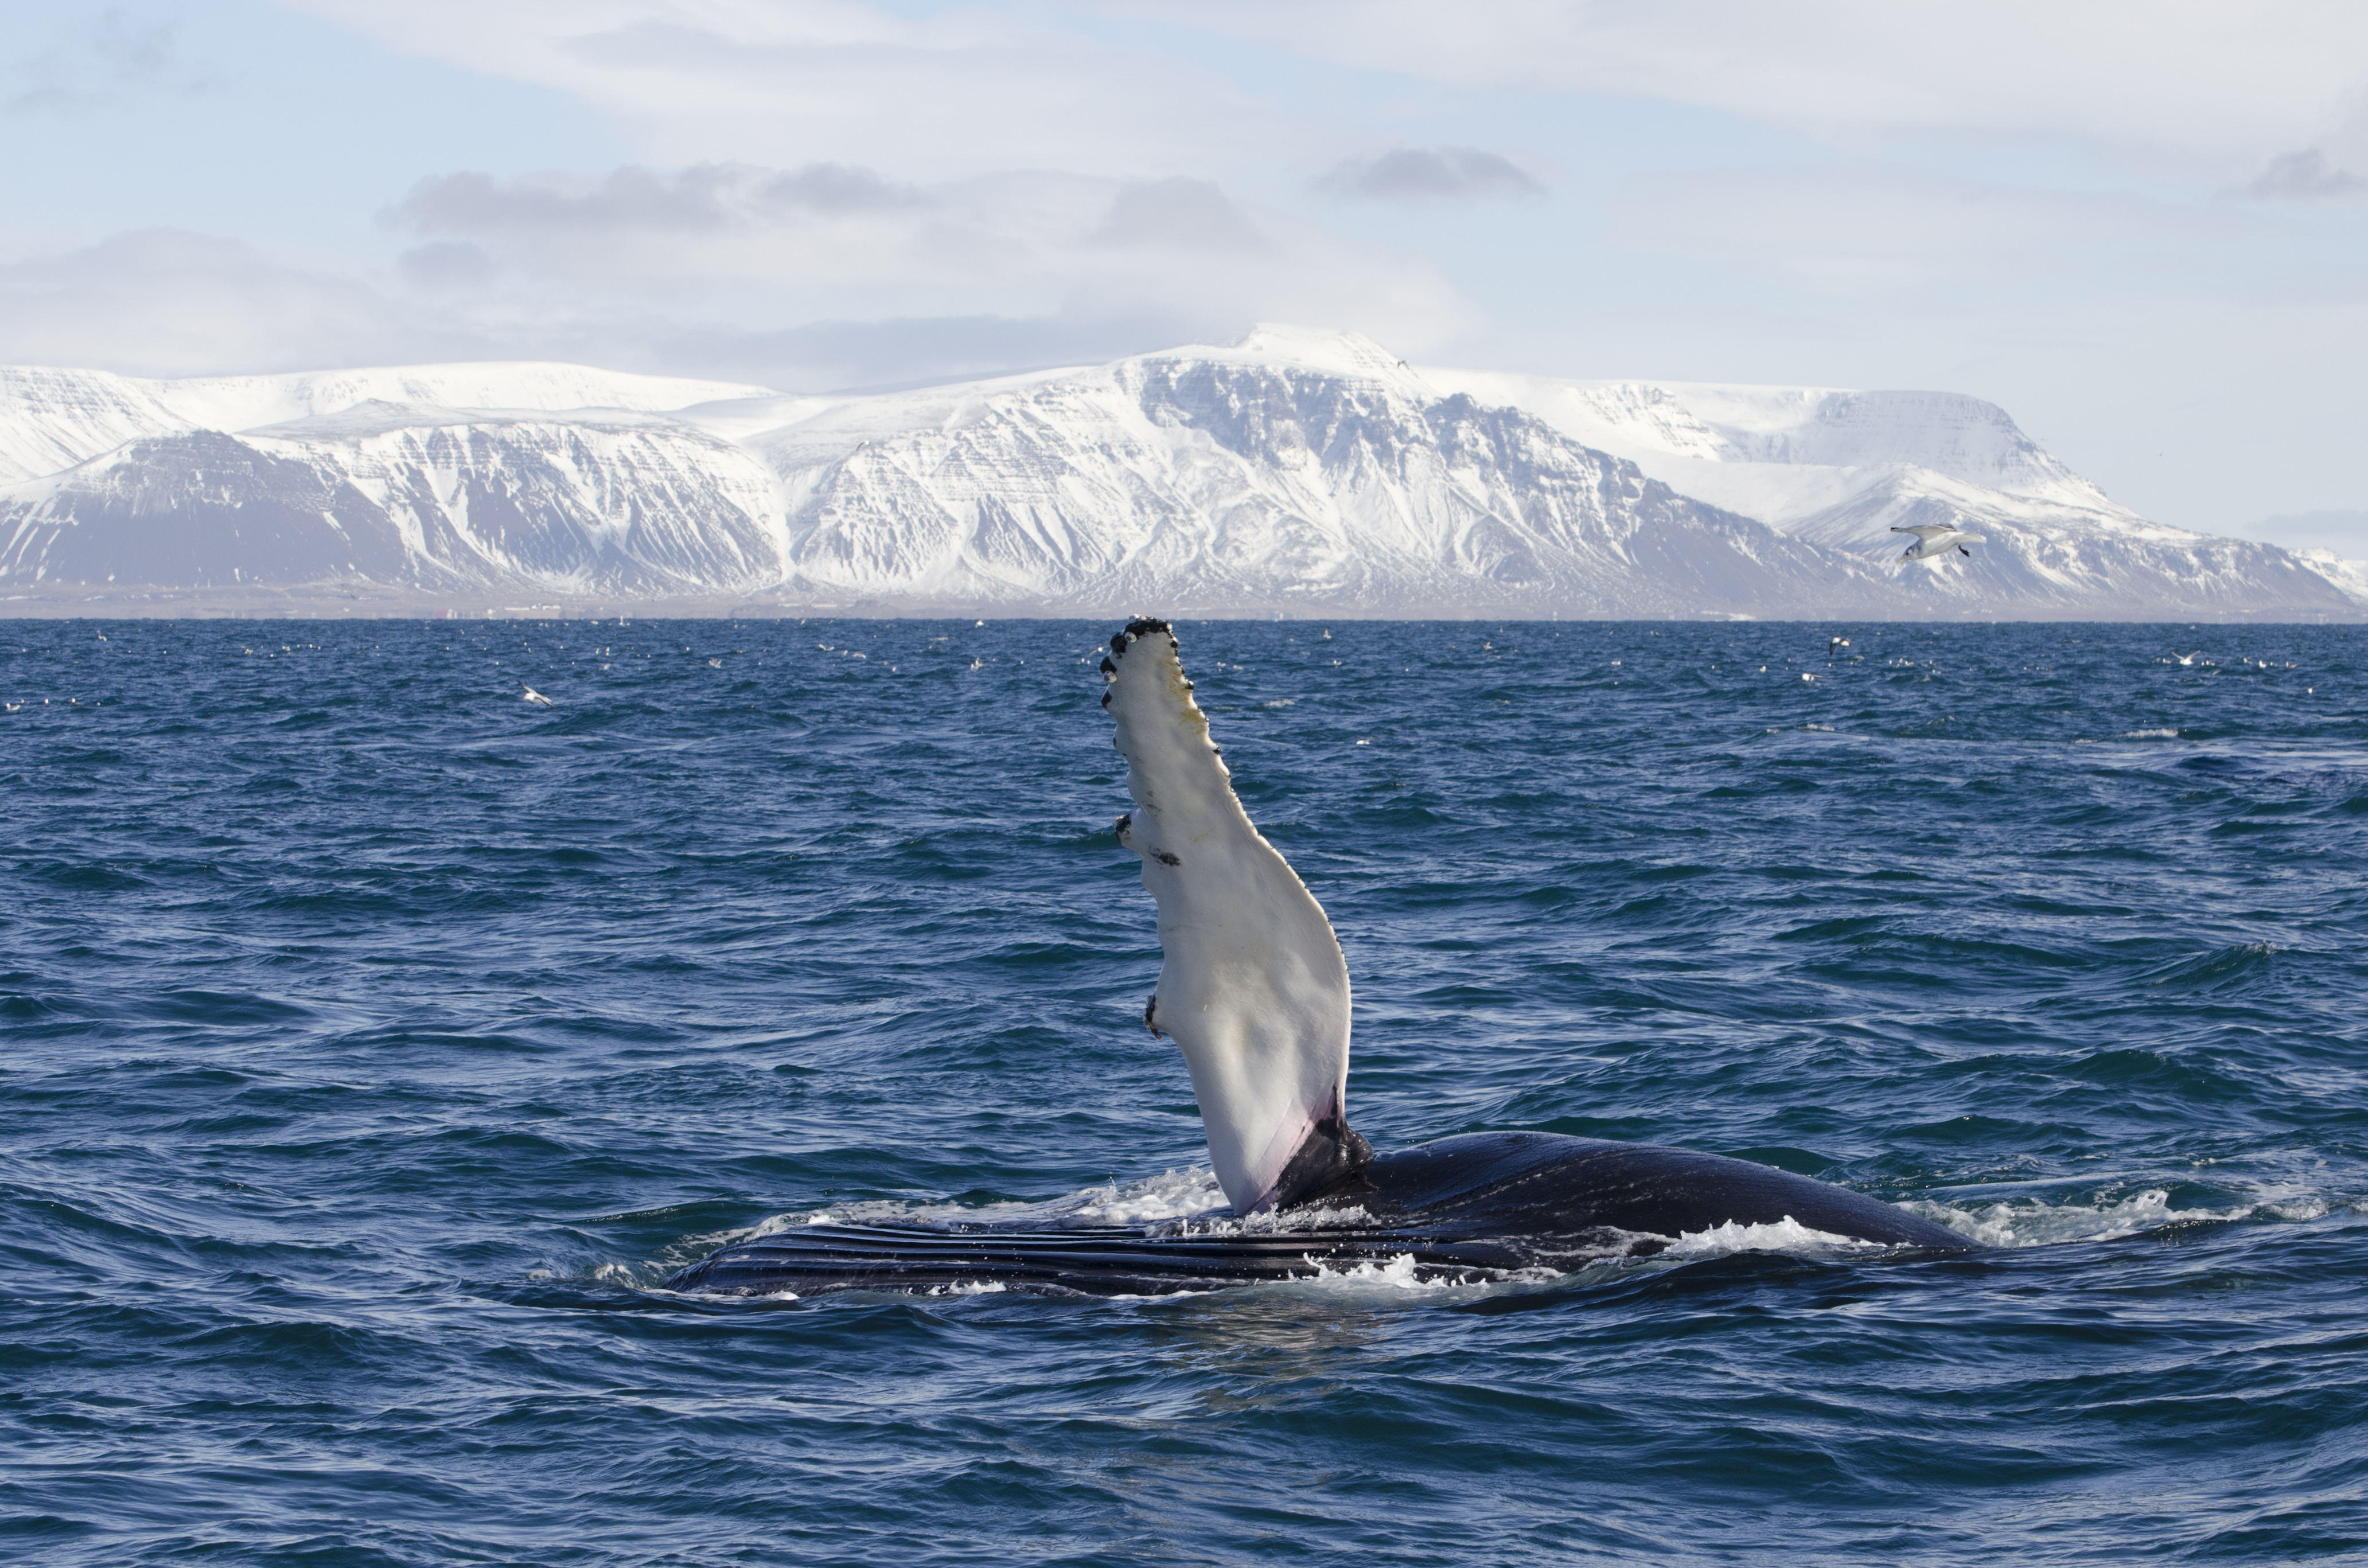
(52, 419)
(1842, 469)
(1277, 475)
(1295, 471)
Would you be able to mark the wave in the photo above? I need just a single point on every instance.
(2037, 1222)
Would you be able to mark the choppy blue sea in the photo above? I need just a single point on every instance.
(373, 1044)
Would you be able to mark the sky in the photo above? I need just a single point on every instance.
(2140, 227)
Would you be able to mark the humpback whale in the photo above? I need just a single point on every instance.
(1254, 991)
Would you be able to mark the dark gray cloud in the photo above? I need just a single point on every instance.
(1178, 215)
(704, 197)
(2306, 175)
(834, 189)
(1427, 174)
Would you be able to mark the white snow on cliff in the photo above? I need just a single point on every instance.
(1295, 471)
(51, 419)
(1844, 468)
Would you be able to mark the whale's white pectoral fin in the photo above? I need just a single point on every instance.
(1254, 988)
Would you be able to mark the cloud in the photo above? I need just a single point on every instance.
(808, 278)
(702, 199)
(912, 350)
(115, 52)
(1851, 229)
(135, 50)
(163, 302)
(1427, 173)
(838, 243)
(447, 266)
(819, 227)
(1178, 215)
(2306, 175)
(938, 91)
(2197, 76)
(2198, 89)
(2344, 532)
(166, 302)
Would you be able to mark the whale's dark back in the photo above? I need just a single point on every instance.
(1543, 1186)
(1474, 1207)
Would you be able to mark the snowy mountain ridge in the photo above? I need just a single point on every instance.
(1295, 471)
(52, 418)
(1949, 433)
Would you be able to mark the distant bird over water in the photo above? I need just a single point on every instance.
(1936, 538)
(527, 693)
(1836, 644)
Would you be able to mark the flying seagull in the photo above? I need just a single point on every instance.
(529, 694)
(1936, 538)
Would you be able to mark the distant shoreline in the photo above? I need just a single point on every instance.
(296, 604)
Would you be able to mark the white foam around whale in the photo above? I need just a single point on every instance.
(2035, 1222)
(1173, 1197)
(1189, 1202)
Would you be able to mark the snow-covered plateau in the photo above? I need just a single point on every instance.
(1295, 473)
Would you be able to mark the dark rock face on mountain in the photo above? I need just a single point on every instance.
(401, 498)
(196, 508)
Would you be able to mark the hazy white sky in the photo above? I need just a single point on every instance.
(2142, 227)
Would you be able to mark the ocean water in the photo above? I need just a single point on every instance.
(374, 1043)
